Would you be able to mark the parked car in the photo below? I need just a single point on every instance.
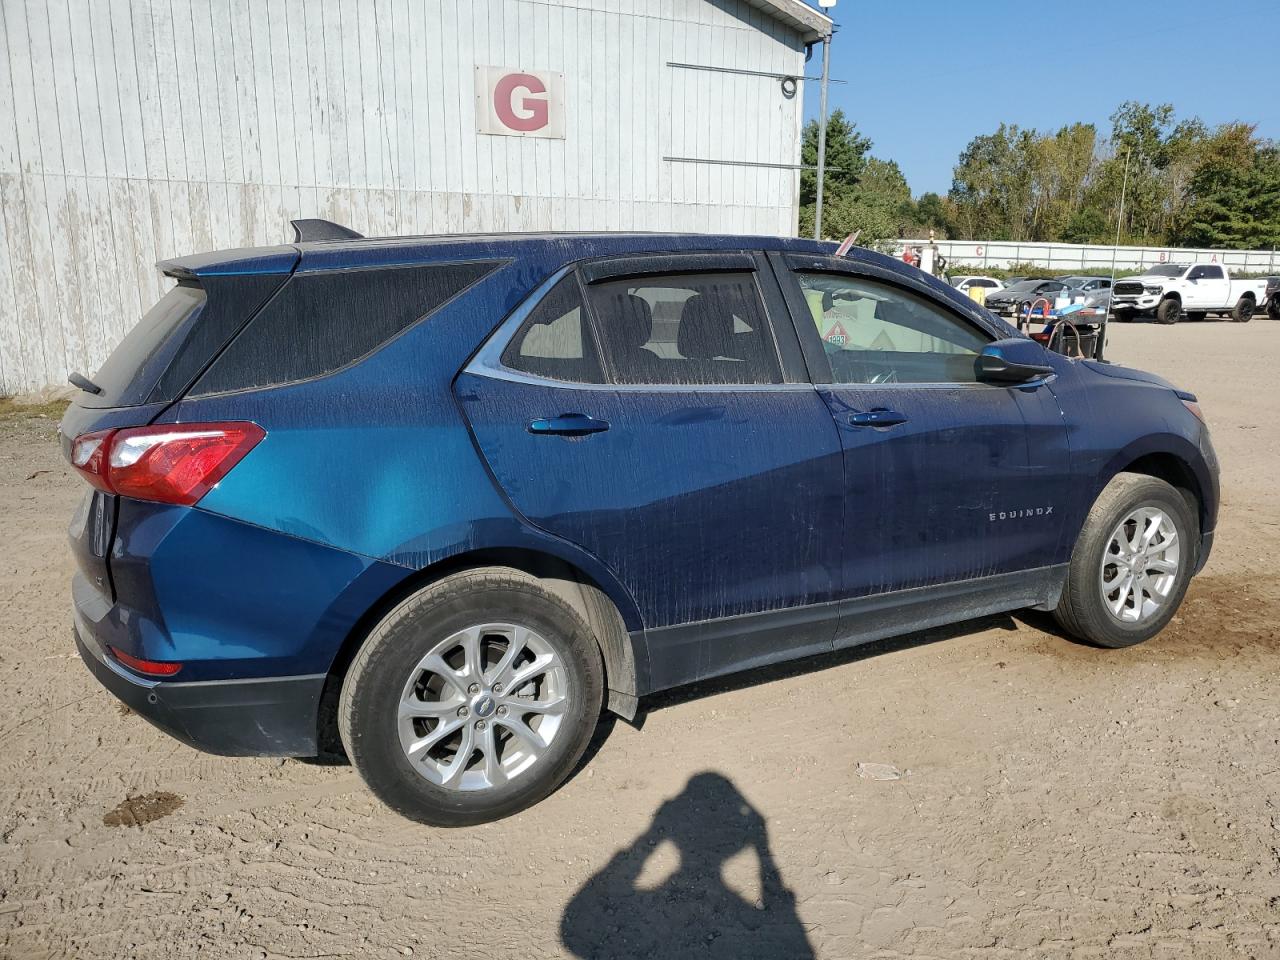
(1168, 290)
(460, 494)
(964, 283)
(1272, 295)
(1086, 285)
(1016, 298)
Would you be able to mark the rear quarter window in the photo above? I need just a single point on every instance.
(321, 322)
(121, 376)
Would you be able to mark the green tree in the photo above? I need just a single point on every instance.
(862, 194)
(1235, 193)
(846, 157)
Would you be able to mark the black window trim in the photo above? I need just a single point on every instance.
(787, 266)
(609, 269)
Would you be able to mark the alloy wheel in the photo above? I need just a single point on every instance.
(1140, 565)
(483, 706)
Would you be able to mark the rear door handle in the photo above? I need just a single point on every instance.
(877, 418)
(568, 425)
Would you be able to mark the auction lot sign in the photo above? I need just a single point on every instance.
(519, 103)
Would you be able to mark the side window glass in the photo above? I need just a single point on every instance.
(686, 329)
(876, 333)
(320, 322)
(1213, 273)
(554, 340)
(1196, 273)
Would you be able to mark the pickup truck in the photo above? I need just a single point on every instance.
(1197, 289)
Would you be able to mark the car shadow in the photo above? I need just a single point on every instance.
(693, 911)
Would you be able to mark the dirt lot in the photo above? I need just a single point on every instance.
(1054, 800)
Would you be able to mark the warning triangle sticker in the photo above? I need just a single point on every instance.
(837, 335)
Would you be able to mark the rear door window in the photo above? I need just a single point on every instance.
(323, 321)
(685, 329)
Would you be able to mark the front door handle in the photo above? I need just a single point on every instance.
(879, 417)
(568, 425)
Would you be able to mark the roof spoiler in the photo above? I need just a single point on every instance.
(306, 230)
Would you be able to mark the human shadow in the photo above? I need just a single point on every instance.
(693, 912)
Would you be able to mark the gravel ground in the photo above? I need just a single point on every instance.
(991, 789)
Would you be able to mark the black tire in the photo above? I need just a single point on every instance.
(1196, 316)
(371, 692)
(1169, 311)
(1242, 312)
(1122, 315)
(1273, 307)
(1082, 610)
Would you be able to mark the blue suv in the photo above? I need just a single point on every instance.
(458, 494)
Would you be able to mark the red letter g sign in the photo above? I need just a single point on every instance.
(531, 113)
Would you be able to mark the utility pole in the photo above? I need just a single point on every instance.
(822, 134)
(1115, 248)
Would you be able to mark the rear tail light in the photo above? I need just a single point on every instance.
(151, 668)
(167, 463)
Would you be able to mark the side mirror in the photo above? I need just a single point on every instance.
(1012, 361)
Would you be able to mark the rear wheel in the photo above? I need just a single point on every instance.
(1273, 307)
(1131, 564)
(1243, 311)
(1169, 311)
(472, 699)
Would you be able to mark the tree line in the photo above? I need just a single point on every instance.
(1187, 185)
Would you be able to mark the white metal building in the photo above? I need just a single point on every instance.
(135, 131)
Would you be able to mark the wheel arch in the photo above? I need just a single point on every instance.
(1172, 459)
(625, 657)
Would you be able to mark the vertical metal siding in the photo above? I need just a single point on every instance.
(135, 131)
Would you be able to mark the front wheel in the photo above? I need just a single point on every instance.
(472, 699)
(1131, 564)
(1169, 311)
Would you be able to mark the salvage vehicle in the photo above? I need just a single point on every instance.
(963, 283)
(1086, 285)
(1016, 298)
(1169, 290)
(456, 495)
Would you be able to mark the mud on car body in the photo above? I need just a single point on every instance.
(463, 494)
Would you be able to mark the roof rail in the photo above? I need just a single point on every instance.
(304, 230)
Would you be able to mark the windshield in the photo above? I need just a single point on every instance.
(1167, 270)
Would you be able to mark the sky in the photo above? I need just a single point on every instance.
(925, 77)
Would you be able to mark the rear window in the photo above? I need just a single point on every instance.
(123, 378)
(321, 322)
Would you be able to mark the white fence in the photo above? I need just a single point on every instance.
(1090, 258)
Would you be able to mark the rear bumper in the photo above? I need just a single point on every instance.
(274, 717)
